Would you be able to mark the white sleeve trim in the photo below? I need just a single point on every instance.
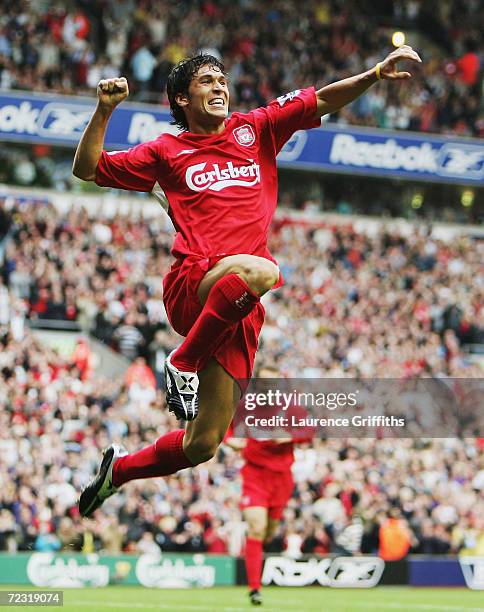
(158, 193)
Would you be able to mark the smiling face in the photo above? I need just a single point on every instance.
(207, 104)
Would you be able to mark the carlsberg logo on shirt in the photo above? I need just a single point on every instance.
(199, 178)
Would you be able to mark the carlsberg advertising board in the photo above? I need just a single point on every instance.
(59, 571)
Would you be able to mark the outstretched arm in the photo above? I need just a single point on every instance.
(336, 95)
(110, 92)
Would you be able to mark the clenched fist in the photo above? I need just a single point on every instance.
(388, 67)
(112, 92)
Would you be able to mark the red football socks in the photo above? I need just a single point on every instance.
(253, 562)
(162, 458)
(229, 301)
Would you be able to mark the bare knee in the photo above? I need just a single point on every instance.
(257, 530)
(200, 448)
(260, 275)
(256, 523)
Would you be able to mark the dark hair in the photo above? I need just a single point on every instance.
(179, 80)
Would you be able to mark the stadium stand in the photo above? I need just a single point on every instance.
(106, 274)
(56, 415)
(347, 290)
(69, 47)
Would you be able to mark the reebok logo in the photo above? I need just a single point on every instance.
(222, 176)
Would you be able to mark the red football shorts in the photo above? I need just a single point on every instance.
(264, 487)
(236, 353)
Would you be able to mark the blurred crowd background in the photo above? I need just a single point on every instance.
(353, 304)
(69, 46)
(382, 303)
(386, 303)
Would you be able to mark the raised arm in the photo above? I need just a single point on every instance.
(336, 95)
(110, 92)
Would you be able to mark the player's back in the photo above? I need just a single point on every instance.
(271, 454)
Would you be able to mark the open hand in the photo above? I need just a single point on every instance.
(388, 67)
(112, 92)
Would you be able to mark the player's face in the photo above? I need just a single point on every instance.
(208, 97)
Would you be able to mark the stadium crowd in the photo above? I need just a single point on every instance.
(383, 304)
(268, 48)
(340, 311)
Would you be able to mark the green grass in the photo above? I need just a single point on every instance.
(276, 599)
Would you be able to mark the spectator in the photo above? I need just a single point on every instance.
(395, 538)
(129, 337)
(82, 359)
(215, 538)
(46, 541)
(142, 63)
(8, 531)
(469, 64)
(139, 372)
(69, 538)
(147, 545)
(112, 535)
(328, 508)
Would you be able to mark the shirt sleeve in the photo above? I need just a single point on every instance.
(135, 169)
(287, 114)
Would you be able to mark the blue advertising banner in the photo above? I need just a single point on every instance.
(437, 571)
(60, 120)
(404, 155)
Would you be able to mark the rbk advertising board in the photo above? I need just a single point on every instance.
(60, 120)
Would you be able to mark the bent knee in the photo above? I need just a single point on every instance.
(201, 449)
(260, 276)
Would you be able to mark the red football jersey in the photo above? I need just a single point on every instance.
(221, 189)
(275, 456)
